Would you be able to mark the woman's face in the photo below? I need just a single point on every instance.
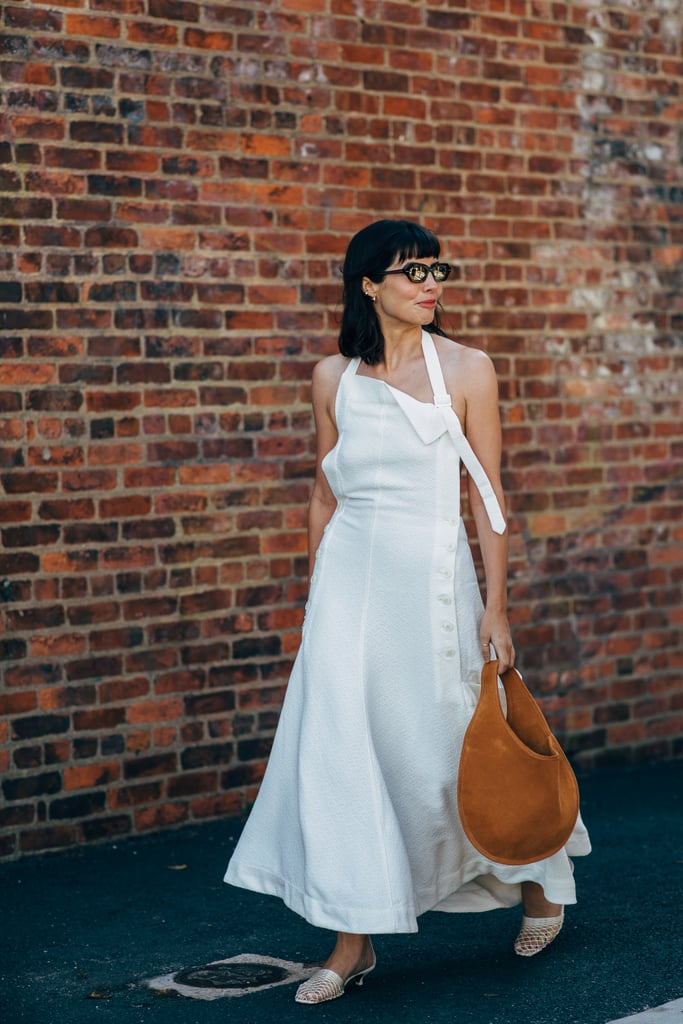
(398, 300)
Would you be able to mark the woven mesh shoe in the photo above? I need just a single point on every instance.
(536, 933)
(325, 984)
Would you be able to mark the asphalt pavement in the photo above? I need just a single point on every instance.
(85, 931)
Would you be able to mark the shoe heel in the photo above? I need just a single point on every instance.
(360, 978)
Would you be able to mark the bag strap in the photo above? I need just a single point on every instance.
(443, 402)
(523, 714)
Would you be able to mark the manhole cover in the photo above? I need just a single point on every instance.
(227, 975)
(239, 975)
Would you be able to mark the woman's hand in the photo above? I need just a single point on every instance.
(495, 629)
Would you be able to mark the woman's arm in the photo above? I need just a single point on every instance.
(483, 431)
(323, 502)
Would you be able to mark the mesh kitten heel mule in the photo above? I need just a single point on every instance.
(536, 933)
(325, 984)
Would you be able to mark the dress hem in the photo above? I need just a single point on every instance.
(481, 890)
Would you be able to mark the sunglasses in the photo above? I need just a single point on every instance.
(417, 272)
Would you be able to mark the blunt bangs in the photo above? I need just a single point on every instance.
(415, 243)
(377, 246)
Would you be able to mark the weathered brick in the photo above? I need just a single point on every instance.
(38, 839)
(86, 776)
(213, 703)
(22, 619)
(31, 785)
(40, 725)
(161, 764)
(21, 815)
(201, 756)
(77, 806)
(174, 10)
(13, 649)
(15, 703)
(95, 829)
(255, 749)
(28, 757)
(159, 817)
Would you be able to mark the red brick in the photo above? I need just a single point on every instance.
(155, 710)
(154, 136)
(222, 41)
(16, 703)
(94, 830)
(36, 840)
(174, 10)
(224, 804)
(83, 209)
(50, 646)
(161, 816)
(82, 25)
(193, 783)
(37, 128)
(86, 776)
(129, 796)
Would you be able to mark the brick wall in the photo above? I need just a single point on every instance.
(179, 180)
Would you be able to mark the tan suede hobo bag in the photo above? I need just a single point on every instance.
(517, 793)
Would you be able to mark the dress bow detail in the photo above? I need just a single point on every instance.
(426, 419)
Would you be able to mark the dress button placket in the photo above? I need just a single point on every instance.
(445, 569)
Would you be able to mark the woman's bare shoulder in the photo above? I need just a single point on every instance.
(326, 376)
(327, 372)
(332, 366)
(470, 366)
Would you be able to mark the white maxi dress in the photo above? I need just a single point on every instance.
(356, 825)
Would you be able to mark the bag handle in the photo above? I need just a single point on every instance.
(524, 716)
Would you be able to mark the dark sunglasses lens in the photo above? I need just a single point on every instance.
(417, 272)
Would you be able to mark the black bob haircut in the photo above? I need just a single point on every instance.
(370, 253)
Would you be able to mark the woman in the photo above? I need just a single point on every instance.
(356, 825)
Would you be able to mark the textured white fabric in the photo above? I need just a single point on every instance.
(356, 825)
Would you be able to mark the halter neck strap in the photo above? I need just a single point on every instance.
(443, 402)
